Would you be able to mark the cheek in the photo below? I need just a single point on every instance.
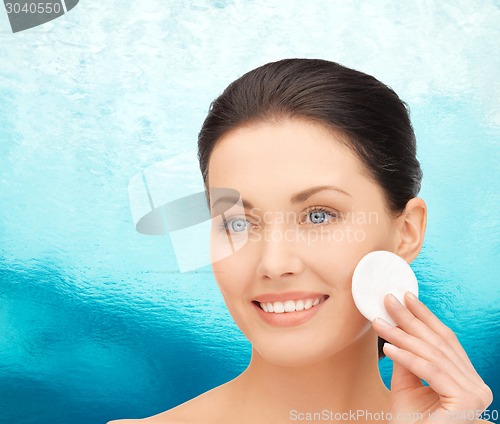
(376, 230)
(335, 250)
(232, 275)
(333, 262)
(361, 232)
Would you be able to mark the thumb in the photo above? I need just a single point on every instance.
(403, 379)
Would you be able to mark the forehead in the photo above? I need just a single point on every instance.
(286, 152)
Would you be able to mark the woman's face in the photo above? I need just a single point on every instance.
(297, 247)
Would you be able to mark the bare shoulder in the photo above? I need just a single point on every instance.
(165, 417)
(205, 408)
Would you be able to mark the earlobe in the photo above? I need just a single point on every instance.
(412, 226)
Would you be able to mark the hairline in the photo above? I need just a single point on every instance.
(280, 117)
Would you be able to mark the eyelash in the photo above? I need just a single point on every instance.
(333, 214)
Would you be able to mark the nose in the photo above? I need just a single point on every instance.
(279, 254)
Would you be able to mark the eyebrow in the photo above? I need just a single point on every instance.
(299, 197)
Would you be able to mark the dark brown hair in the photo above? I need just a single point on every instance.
(373, 120)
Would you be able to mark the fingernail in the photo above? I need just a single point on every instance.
(411, 296)
(383, 323)
(394, 300)
(390, 347)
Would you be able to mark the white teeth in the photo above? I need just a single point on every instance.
(299, 305)
(291, 305)
(279, 308)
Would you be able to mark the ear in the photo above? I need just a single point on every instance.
(411, 228)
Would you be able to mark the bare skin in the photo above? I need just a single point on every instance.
(330, 361)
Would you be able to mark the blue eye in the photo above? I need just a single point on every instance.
(319, 215)
(235, 225)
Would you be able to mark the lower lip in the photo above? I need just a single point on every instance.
(288, 319)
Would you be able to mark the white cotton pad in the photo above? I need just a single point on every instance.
(377, 274)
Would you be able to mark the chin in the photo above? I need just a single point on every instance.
(293, 355)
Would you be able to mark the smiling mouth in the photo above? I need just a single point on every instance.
(291, 305)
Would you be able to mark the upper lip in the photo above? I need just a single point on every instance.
(280, 297)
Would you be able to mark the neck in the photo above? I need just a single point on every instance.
(347, 381)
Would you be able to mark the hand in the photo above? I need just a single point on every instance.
(422, 347)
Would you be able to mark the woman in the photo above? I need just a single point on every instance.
(324, 158)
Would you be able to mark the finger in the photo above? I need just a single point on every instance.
(424, 314)
(405, 319)
(446, 336)
(440, 381)
(478, 389)
(403, 379)
(422, 349)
